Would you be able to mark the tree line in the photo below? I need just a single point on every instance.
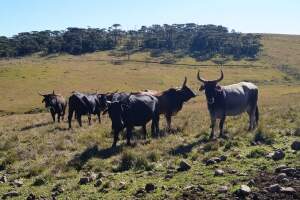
(200, 41)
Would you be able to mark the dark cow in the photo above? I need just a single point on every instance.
(56, 103)
(85, 104)
(132, 110)
(230, 100)
(172, 100)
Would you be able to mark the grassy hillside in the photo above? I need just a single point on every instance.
(43, 154)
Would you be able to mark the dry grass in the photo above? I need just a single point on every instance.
(32, 147)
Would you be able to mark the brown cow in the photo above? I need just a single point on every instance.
(171, 101)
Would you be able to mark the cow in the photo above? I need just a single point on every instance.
(85, 104)
(171, 101)
(56, 103)
(230, 100)
(132, 110)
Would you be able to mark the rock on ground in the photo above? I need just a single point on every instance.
(296, 145)
(184, 166)
(149, 187)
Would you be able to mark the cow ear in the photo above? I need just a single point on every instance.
(201, 88)
(43, 101)
(218, 88)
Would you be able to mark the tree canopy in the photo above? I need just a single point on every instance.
(199, 41)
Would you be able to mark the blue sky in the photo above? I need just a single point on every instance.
(257, 16)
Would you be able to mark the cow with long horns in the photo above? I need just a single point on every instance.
(230, 100)
(56, 103)
(171, 101)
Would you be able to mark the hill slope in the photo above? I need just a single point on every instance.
(44, 155)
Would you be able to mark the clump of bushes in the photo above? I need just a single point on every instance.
(264, 136)
(229, 144)
(130, 160)
(211, 146)
(257, 153)
(153, 156)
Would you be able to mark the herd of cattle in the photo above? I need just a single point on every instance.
(127, 110)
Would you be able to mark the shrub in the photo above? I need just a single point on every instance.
(229, 145)
(264, 136)
(35, 171)
(127, 161)
(142, 164)
(257, 153)
(153, 156)
(130, 160)
(211, 146)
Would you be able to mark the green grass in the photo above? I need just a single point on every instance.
(32, 147)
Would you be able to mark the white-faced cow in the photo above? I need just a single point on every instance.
(171, 101)
(132, 110)
(56, 103)
(230, 100)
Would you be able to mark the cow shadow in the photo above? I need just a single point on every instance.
(25, 128)
(79, 160)
(185, 149)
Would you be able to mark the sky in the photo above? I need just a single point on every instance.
(248, 16)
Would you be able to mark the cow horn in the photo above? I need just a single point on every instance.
(199, 78)
(221, 77)
(53, 92)
(184, 82)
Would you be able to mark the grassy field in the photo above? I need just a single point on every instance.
(32, 148)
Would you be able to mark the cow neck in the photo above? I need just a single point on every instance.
(219, 100)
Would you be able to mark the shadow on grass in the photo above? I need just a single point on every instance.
(79, 160)
(35, 126)
(184, 149)
(58, 129)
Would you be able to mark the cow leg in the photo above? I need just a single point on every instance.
(70, 117)
(144, 131)
(63, 113)
(221, 126)
(155, 125)
(89, 118)
(116, 138)
(58, 117)
(79, 119)
(53, 115)
(99, 118)
(128, 135)
(169, 121)
(251, 114)
(212, 126)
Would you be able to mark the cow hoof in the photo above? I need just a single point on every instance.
(224, 136)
